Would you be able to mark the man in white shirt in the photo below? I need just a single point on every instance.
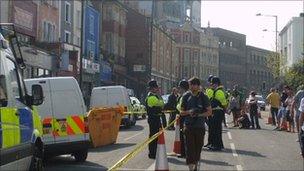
(301, 124)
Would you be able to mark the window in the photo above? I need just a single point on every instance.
(109, 42)
(49, 31)
(67, 12)
(91, 25)
(78, 19)
(187, 38)
(67, 37)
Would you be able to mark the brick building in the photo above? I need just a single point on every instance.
(113, 39)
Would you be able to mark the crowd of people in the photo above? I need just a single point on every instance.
(197, 106)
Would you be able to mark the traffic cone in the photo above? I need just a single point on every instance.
(161, 162)
(177, 143)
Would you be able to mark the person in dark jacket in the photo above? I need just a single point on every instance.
(171, 106)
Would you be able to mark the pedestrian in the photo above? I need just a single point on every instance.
(301, 124)
(171, 106)
(154, 106)
(296, 105)
(183, 88)
(234, 107)
(243, 121)
(282, 110)
(273, 98)
(253, 110)
(209, 92)
(289, 113)
(219, 104)
(195, 108)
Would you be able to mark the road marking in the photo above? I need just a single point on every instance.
(130, 169)
(233, 150)
(126, 139)
(239, 167)
(152, 167)
(229, 135)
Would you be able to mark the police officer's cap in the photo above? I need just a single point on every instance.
(184, 84)
(152, 84)
(216, 80)
(210, 78)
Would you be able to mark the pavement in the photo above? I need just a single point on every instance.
(245, 149)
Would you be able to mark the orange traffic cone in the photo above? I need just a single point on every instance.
(177, 143)
(161, 162)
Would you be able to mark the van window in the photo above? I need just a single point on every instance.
(12, 78)
(3, 90)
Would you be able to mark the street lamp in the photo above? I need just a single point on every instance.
(276, 28)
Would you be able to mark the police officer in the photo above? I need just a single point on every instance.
(218, 104)
(209, 92)
(183, 87)
(154, 106)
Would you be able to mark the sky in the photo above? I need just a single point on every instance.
(240, 16)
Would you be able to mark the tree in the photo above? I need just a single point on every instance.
(275, 63)
(294, 77)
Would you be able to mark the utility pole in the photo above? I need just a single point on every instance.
(81, 45)
(151, 38)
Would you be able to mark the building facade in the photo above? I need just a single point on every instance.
(28, 20)
(209, 55)
(138, 53)
(113, 39)
(232, 57)
(162, 63)
(91, 52)
(291, 42)
(258, 75)
(188, 52)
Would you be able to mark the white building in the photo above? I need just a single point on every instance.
(291, 41)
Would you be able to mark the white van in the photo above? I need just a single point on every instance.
(111, 96)
(63, 115)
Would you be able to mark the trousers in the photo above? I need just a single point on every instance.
(194, 143)
(154, 126)
(216, 128)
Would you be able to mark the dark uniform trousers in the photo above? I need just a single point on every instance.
(182, 137)
(209, 120)
(216, 128)
(154, 125)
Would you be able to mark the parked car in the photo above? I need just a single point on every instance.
(138, 108)
(261, 102)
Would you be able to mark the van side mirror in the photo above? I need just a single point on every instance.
(37, 94)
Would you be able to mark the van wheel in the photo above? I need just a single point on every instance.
(37, 163)
(81, 156)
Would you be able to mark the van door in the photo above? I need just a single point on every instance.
(45, 110)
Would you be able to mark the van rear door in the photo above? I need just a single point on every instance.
(68, 110)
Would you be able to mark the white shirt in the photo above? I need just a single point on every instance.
(301, 108)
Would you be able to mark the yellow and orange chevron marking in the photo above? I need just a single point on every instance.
(75, 125)
(60, 127)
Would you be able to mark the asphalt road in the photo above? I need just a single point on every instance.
(263, 149)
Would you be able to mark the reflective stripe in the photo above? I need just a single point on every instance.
(75, 125)
(60, 127)
(10, 127)
(37, 120)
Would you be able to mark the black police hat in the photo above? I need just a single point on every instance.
(152, 84)
(210, 78)
(216, 80)
(184, 84)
